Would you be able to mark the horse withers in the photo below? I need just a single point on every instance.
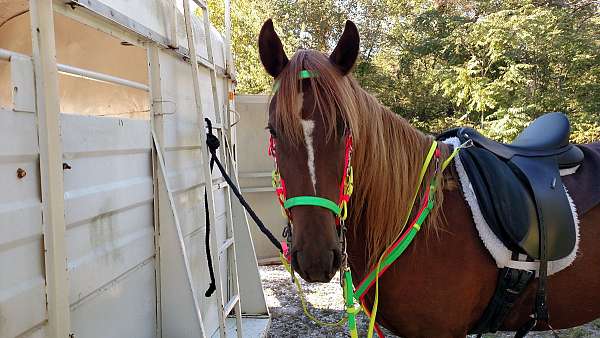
(441, 285)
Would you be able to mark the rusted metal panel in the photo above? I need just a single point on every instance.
(110, 225)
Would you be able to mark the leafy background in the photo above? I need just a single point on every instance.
(491, 64)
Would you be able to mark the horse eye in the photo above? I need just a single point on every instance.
(272, 131)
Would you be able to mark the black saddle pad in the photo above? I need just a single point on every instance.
(584, 185)
(504, 201)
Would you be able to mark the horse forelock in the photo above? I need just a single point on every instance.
(330, 91)
(388, 151)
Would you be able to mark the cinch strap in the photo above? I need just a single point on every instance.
(312, 201)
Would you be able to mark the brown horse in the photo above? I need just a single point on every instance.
(441, 285)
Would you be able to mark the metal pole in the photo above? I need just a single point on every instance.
(89, 74)
(51, 171)
(229, 67)
(7, 54)
(83, 73)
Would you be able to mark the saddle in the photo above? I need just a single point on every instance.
(522, 198)
(519, 187)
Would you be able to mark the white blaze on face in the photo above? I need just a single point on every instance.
(308, 126)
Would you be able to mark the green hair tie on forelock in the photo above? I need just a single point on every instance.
(303, 74)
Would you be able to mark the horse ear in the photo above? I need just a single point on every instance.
(345, 53)
(271, 50)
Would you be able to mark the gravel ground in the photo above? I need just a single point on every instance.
(326, 303)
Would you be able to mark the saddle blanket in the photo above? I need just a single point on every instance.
(585, 186)
(501, 254)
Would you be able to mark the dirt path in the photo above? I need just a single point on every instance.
(326, 303)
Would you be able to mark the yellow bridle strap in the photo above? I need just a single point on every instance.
(426, 163)
(432, 191)
(376, 301)
(466, 144)
(421, 176)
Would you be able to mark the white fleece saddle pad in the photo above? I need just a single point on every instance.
(501, 254)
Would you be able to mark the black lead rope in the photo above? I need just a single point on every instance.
(212, 287)
(213, 144)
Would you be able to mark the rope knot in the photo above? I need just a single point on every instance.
(213, 142)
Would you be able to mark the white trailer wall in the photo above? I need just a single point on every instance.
(22, 283)
(125, 267)
(181, 142)
(255, 169)
(110, 226)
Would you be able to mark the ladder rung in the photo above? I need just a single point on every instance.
(207, 64)
(200, 4)
(230, 305)
(225, 245)
(201, 60)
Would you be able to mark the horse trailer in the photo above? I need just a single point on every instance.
(104, 171)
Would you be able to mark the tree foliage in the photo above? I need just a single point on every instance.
(491, 64)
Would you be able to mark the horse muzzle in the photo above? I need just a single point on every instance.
(316, 265)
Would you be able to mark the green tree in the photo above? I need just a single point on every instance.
(491, 64)
(247, 17)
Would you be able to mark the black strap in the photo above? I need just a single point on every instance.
(540, 310)
(511, 284)
(213, 144)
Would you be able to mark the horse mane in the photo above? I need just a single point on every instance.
(388, 151)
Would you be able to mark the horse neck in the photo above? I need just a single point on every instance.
(387, 161)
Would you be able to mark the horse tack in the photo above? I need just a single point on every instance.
(339, 209)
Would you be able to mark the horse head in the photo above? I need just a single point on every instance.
(311, 135)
